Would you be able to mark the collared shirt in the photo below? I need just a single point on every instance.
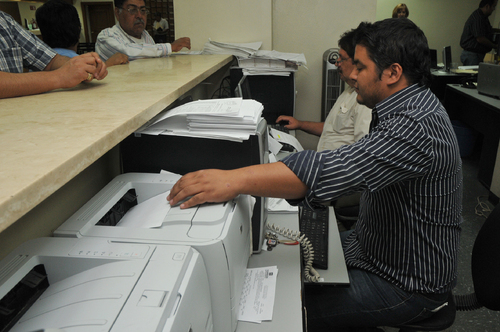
(346, 123)
(20, 48)
(410, 173)
(477, 25)
(115, 40)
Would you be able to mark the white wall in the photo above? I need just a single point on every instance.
(311, 27)
(442, 21)
(224, 21)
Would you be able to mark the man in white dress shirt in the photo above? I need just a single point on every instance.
(347, 121)
(129, 36)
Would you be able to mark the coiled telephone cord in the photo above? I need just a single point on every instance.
(310, 274)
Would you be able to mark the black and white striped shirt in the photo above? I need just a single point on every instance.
(410, 172)
(477, 25)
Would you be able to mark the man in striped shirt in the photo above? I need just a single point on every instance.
(477, 36)
(402, 254)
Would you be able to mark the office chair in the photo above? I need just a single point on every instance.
(347, 209)
(347, 215)
(485, 268)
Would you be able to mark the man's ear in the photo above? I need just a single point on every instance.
(117, 11)
(393, 73)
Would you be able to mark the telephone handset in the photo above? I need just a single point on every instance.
(310, 274)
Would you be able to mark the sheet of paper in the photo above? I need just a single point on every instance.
(274, 145)
(257, 296)
(286, 138)
(280, 205)
(237, 49)
(148, 214)
(231, 119)
(298, 58)
(214, 107)
(251, 72)
(187, 53)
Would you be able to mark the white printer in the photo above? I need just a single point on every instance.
(77, 285)
(133, 208)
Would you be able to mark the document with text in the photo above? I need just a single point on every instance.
(257, 296)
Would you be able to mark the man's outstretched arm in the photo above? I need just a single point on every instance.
(215, 186)
(61, 72)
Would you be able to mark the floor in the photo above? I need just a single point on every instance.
(475, 203)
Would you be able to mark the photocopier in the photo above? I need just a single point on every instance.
(92, 284)
(133, 208)
(141, 153)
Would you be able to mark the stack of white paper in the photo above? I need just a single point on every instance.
(271, 63)
(297, 58)
(230, 119)
(237, 49)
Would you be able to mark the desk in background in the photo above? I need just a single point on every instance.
(441, 78)
(481, 113)
(49, 139)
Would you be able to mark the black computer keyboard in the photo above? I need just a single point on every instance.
(314, 224)
(280, 127)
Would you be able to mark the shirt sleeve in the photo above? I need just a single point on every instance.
(399, 149)
(307, 166)
(110, 42)
(20, 48)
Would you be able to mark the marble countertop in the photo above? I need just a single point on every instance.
(48, 139)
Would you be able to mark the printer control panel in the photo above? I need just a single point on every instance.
(114, 250)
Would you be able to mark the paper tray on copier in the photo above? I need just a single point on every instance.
(123, 204)
(94, 285)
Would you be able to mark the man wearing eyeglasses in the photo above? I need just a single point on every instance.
(130, 37)
(347, 121)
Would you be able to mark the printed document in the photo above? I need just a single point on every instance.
(257, 296)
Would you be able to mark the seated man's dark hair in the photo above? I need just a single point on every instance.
(486, 2)
(397, 41)
(347, 42)
(59, 23)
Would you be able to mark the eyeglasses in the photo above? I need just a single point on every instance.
(340, 60)
(133, 10)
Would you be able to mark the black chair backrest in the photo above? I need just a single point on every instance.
(485, 264)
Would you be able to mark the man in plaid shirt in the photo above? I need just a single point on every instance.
(20, 50)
